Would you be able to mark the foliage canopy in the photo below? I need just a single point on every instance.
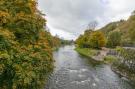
(25, 50)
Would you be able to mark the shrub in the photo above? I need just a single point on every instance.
(110, 59)
(114, 39)
(25, 53)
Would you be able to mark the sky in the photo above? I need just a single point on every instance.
(70, 18)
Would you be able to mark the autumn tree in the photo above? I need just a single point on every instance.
(56, 41)
(25, 51)
(80, 41)
(97, 40)
(91, 39)
(114, 39)
(17, 15)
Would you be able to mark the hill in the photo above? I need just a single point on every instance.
(126, 28)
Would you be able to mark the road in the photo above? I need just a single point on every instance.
(74, 71)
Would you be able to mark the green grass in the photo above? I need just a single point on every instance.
(87, 51)
(110, 59)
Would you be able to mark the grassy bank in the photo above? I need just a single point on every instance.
(114, 61)
(87, 52)
(91, 53)
(109, 59)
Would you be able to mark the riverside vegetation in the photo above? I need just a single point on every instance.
(114, 34)
(25, 46)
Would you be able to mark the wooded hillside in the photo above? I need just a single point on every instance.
(125, 27)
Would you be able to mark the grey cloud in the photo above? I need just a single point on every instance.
(72, 16)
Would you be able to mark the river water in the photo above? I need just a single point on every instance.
(74, 71)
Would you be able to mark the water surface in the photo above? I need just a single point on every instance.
(74, 71)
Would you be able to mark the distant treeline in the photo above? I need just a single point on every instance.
(56, 41)
(120, 33)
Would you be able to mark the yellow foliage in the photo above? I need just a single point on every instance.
(91, 39)
(7, 34)
(24, 48)
(4, 18)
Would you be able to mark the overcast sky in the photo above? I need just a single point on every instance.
(69, 18)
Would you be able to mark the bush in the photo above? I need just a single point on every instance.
(25, 53)
(114, 39)
(110, 59)
(23, 67)
(127, 58)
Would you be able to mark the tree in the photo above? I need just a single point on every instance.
(80, 41)
(97, 40)
(56, 41)
(132, 34)
(91, 39)
(114, 39)
(25, 51)
(92, 25)
(18, 15)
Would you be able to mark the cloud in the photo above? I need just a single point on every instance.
(69, 18)
(61, 33)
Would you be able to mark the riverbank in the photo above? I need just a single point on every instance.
(97, 55)
(87, 52)
(110, 57)
(124, 73)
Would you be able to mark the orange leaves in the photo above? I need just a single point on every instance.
(4, 18)
(99, 36)
(32, 5)
(91, 39)
(25, 50)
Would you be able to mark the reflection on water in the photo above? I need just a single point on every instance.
(77, 72)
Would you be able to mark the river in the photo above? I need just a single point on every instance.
(74, 71)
